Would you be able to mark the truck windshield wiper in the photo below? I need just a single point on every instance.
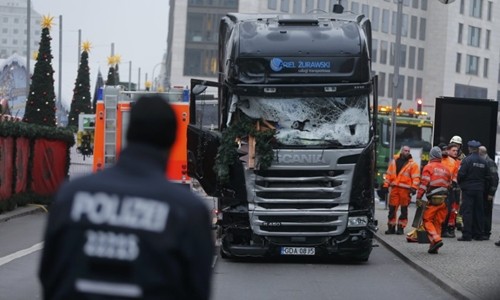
(330, 142)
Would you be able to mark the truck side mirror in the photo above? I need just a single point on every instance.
(198, 89)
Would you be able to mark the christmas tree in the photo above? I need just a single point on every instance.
(99, 83)
(80, 104)
(112, 71)
(41, 105)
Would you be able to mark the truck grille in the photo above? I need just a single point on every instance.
(300, 202)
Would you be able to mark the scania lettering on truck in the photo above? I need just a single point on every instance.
(292, 160)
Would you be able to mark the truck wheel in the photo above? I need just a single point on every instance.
(224, 254)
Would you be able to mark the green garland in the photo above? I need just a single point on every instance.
(227, 152)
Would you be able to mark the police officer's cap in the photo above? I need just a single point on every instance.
(474, 144)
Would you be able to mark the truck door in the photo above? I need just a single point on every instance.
(203, 136)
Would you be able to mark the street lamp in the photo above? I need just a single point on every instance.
(155, 82)
(395, 79)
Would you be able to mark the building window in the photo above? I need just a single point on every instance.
(475, 9)
(381, 84)
(355, 7)
(285, 6)
(5, 20)
(200, 62)
(392, 54)
(414, 4)
(460, 32)
(420, 59)
(418, 88)
(365, 10)
(385, 21)
(16, 20)
(421, 33)
(297, 6)
(309, 6)
(375, 18)
(202, 27)
(413, 27)
(472, 65)
(383, 52)
(411, 57)
(474, 36)
(374, 50)
(400, 87)
(5, 30)
(409, 88)
(403, 56)
(14, 42)
(16, 31)
(485, 67)
(272, 4)
(404, 24)
(458, 64)
(462, 5)
(322, 4)
(490, 10)
(487, 41)
(424, 4)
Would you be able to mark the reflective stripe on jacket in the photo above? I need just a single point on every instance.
(435, 180)
(408, 177)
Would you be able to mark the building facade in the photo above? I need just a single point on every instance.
(446, 50)
(13, 28)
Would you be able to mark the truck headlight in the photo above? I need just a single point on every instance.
(357, 221)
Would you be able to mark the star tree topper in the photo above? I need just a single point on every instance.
(47, 21)
(86, 46)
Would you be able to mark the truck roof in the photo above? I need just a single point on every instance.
(326, 35)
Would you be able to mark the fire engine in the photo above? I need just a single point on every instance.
(111, 121)
(413, 128)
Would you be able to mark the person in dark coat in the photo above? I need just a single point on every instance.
(127, 232)
(473, 175)
(489, 192)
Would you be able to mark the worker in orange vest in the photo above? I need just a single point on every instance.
(449, 152)
(435, 183)
(403, 178)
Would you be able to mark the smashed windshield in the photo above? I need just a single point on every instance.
(316, 121)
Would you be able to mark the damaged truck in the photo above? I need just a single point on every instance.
(291, 158)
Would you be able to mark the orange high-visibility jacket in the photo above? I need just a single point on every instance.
(436, 179)
(408, 177)
(452, 165)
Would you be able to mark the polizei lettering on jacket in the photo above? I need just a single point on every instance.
(301, 159)
(130, 212)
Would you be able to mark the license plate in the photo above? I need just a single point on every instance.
(298, 251)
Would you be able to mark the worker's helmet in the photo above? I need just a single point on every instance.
(456, 140)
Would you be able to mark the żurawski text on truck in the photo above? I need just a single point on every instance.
(292, 158)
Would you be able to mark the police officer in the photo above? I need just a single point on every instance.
(472, 177)
(127, 232)
(489, 192)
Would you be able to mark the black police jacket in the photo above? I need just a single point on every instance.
(473, 173)
(127, 233)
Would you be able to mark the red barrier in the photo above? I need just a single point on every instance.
(6, 167)
(21, 164)
(49, 166)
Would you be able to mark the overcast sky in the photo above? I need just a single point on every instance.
(138, 30)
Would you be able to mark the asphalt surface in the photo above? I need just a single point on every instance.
(467, 270)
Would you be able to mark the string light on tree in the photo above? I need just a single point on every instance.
(40, 105)
(81, 93)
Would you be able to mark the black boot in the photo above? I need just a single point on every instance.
(400, 230)
(498, 243)
(391, 229)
